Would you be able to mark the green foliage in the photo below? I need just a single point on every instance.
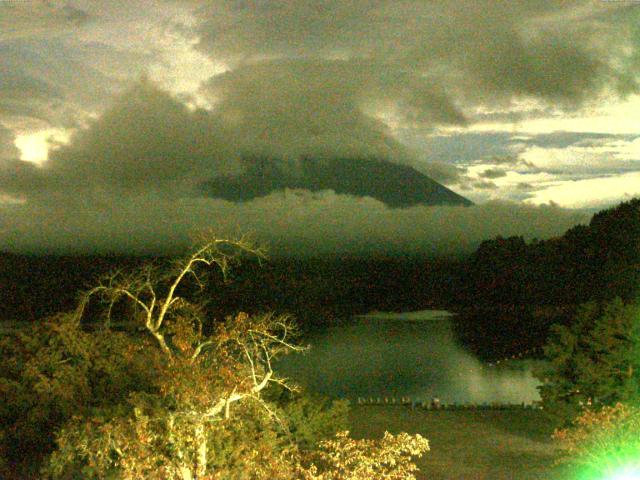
(599, 261)
(311, 419)
(55, 370)
(204, 412)
(180, 397)
(343, 458)
(593, 361)
(161, 434)
(510, 292)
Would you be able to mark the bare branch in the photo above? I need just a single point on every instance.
(199, 349)
(253, 367)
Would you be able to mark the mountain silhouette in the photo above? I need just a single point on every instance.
(395, 185)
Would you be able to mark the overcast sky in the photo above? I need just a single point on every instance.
(112, 112)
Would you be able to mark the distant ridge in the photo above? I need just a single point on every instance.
(396, 185)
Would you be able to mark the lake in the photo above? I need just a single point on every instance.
(413, 354)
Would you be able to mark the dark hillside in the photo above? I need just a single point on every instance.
(511, 291)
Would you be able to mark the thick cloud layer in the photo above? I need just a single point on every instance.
(341, 78)
(334, 77)
(147, 141)
(129, 183)
(476, 50)
(53, 83)
(292, 108)
(8, 149)
(63, 61)
(24, 19)
(290, 223)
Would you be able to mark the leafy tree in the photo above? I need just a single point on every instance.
(198, 378)
(56, 369)
(313, 418)
(177, 396)
(593, 361)
(344, 458)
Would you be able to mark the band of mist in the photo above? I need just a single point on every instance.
(415, 356)
(291, 222)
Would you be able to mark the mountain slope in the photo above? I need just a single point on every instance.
(396, 185)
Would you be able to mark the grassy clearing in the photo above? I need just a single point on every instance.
(469, 445)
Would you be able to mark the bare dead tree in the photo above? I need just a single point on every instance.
(143, 287)
(233, 364)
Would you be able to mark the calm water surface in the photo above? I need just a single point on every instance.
(411, 354)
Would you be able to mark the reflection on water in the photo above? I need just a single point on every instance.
(413, 354)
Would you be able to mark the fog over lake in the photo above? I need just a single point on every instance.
(412, 354)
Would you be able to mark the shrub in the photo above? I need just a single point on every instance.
(343, 458)
(596, 360)
(53, 370)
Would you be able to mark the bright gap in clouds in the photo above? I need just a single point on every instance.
(34, 146)
(181, 68)
(612, 117)
(598, 168)
(592, 192)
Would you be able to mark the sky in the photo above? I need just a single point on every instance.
(113, 112)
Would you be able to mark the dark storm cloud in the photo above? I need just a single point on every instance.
(493, 173)
(127, 183)
(478, 49)
(8, 149)
(147, 141)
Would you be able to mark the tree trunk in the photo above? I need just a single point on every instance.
(185, 473)
(201, 440)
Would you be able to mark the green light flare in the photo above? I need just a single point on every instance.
(608, 445)
(623, 467)
(627, 472)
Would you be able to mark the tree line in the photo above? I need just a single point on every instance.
(510, 292)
